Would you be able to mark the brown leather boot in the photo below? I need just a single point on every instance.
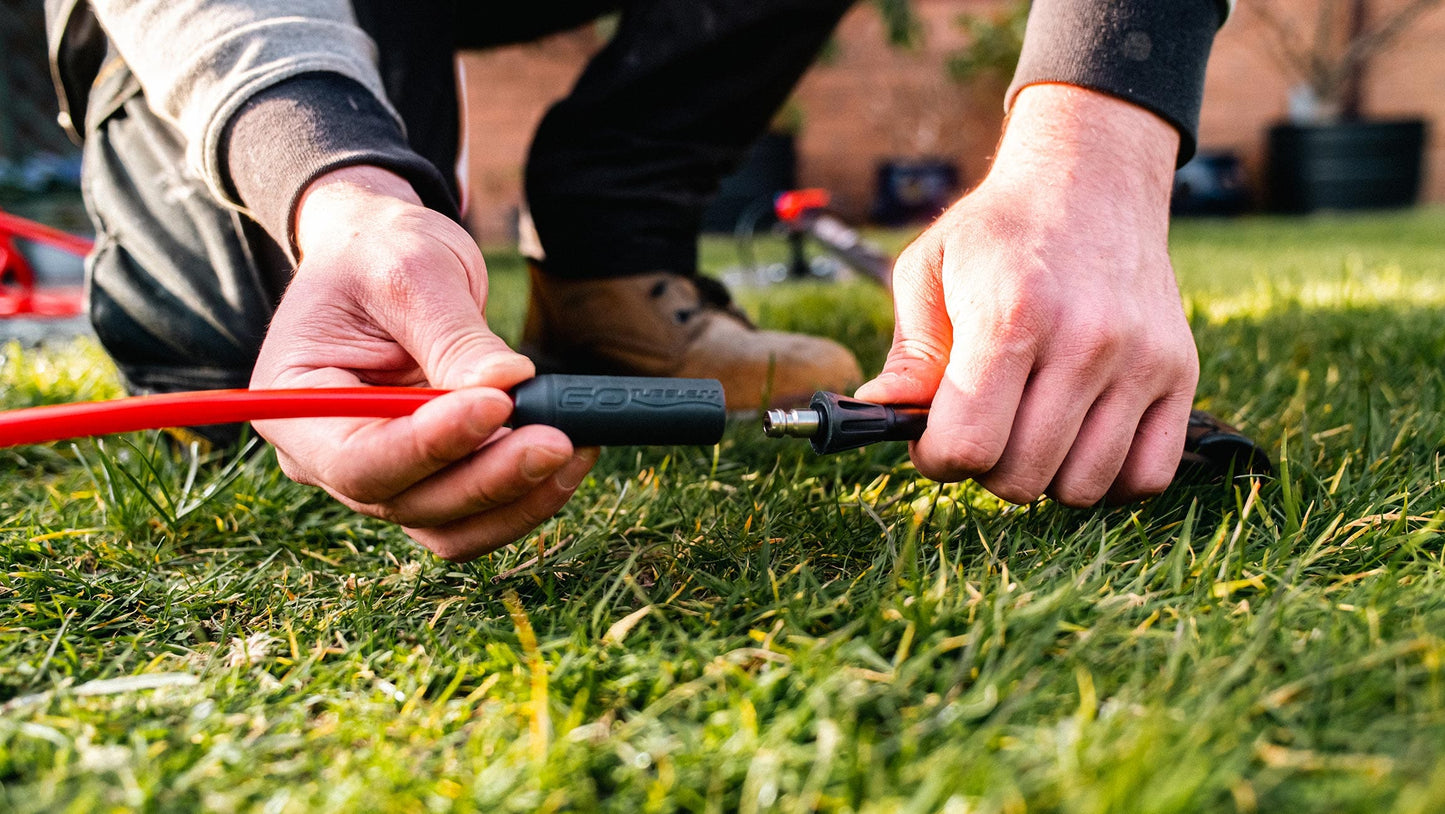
(665, 324)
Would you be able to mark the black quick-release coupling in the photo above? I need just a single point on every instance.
(834, 423)
(1213, 450)
(623, 410)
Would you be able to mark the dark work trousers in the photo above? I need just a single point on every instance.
(181, 288)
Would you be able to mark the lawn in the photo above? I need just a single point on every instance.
(750, 627)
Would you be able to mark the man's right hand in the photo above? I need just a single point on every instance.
(1039, 316)
(391, 293)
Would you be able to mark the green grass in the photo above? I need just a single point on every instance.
(753, 628)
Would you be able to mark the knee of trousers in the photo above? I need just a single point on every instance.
(180, 287)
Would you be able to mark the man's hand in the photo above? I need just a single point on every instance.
(391, 293)
(1039, 315)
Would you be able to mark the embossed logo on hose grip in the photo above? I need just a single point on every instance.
(618, 398)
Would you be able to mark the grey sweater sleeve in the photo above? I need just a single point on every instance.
(200, 60)
(1149, 52)
(291, 133)
(267, 94)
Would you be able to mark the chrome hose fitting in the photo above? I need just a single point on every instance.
(791, 423)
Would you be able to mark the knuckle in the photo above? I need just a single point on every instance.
(1099, 343)
(388, 512)
(1174, 347)
(480, 496)
(910, 260)
(1016, 324)
(920, 347)
(359, 489)
(293, 469)
(385, 511)
(1176, 358)
(529, 517)
(918, 265)
(531, 513)
(1189, 366)
(452, 349)
(456, 555)
(1156, 376)
(432, 451)
(345, 484)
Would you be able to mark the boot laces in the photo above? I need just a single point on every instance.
(712, 296)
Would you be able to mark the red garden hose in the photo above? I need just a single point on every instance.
(21, 295)
(591, 410)
(37, 425)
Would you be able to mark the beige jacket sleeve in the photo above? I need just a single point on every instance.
(200, 60)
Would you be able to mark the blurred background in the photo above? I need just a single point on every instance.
(39, 167)
(1310, 104)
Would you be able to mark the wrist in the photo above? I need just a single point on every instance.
(1063, 139)
(335, 199)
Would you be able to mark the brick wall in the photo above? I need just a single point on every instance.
(506, 92)
(869, 102)
(866, 102)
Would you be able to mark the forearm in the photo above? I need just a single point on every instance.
(1151, 53)
(328, 206)
(1091, 147)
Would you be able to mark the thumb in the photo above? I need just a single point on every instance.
(472, 356)
(462, 351)
(922, 334)
(448, 336)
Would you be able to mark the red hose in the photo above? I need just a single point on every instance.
(40, 233)
(37, 425)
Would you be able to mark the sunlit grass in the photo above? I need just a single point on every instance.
(753, 628)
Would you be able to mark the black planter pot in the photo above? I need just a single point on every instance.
(1346, 165)
(1212, 183)
(913, 190)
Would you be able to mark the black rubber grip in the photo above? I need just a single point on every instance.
(623, 410)
(847, 423)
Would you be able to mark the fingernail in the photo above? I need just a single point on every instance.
(570, 476)
(509, 367)
(883, 380)
(539, 462)
(499, 370)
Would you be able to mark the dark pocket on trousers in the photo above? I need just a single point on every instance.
(181, 288)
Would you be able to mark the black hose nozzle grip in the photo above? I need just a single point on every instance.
(623, 410)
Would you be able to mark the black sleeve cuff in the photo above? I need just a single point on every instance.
(293, 132)
(1148, 52)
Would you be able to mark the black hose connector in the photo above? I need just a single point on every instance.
(623, 410)
(835, 423)
(1213, 449)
